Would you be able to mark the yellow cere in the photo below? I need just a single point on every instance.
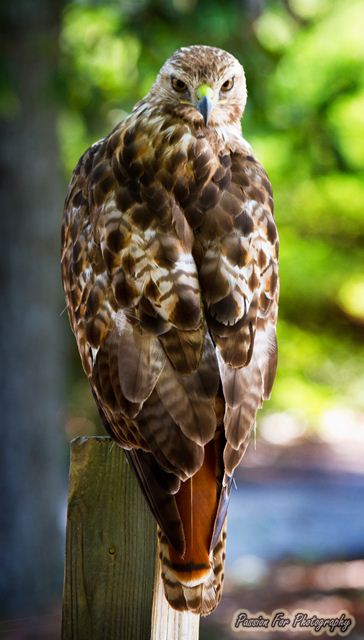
(204, 90)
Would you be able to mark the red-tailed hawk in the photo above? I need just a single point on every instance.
(169, 266)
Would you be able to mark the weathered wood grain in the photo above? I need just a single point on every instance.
(111, 567)
(110, 547)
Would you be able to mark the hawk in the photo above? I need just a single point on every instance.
(169, 264)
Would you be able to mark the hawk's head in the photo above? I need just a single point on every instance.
(201, 84)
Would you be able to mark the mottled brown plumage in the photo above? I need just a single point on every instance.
(169, 266)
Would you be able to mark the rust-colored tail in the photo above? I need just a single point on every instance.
(193, 582)
(204, 596)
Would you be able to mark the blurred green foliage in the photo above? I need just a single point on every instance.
(304, 61)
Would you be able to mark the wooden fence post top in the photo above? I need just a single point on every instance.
(113, 589)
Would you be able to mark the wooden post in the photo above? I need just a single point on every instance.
(112, 586)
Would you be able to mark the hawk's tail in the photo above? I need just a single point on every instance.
(193, 579)
(193, 588)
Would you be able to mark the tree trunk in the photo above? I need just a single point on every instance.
(31, 467)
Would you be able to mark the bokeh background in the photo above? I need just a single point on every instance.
(68, 73)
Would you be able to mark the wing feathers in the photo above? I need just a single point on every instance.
(183, 348)
(189, 398)
(195, 415)
(174, 452)
(141, 360)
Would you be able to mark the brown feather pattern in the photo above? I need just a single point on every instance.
(170, 270)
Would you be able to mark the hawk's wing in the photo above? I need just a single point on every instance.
(135, 306)
(239, 281)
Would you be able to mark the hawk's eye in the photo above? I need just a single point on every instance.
(178, 85)
(227, 85)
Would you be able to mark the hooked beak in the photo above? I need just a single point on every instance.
(204, 105)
